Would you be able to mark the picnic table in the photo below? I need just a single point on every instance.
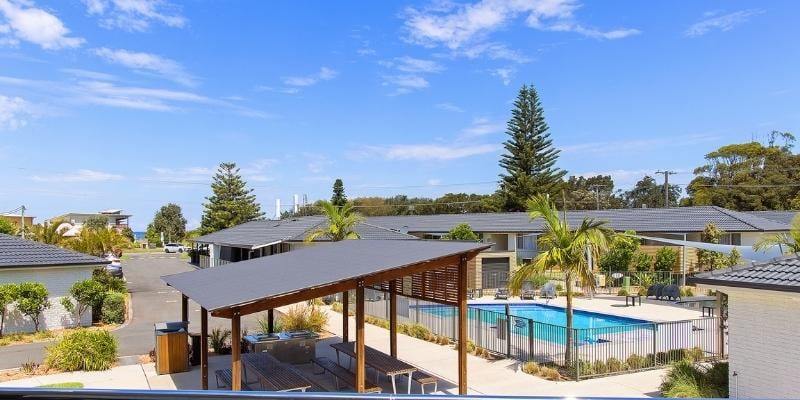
(379, 361)
(632, 298)
(707, 303)
(272, 373)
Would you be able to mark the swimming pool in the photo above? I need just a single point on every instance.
(549, 321)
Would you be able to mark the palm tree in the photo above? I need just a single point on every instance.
(340, 225)
(566, 249)
(789, 242)
(50, 233)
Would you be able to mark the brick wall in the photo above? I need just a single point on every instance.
(58, 281)
(763, 344)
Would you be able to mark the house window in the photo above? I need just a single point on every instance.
(526, 242)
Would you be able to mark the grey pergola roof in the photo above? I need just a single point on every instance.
(244, 282)
(666, 220)
(17, 252)
(781, 275)
(260, 233)
(782, 217)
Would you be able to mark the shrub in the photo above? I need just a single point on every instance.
(600, 367)
(684, 380)
(614, 365)
(622, 292)
(470, 346)
(263, 324)
(636, 361)
(32, 301)
(8, 295)
(83, 350)
(695, 354)
(110, 283)
(29, 367)
(687, 292)
(337, 307)
(419, 331)
(218, 340)
(559, 287)
(379, 322)
(551, 374)
(642, 262)
(531, 368)
(301, 317)
(316, 302)
(585, 367)
(113, 310)
(666, 259)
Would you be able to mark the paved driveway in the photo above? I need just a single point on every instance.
(152, 302)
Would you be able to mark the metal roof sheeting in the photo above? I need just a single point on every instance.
(674, 219)
(780, 274)
(18, 252)
(247, 281)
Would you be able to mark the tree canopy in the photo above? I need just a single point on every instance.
(647, 192)
(341, 224)
(7, 227)
(461, 232)
(96, 222)
(749, 176)
(589, 193)
(169, 219)
(338, 198)
(231, 202)
(530, 157)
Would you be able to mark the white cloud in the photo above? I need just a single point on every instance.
(82, 175)
(430, 151)
(135, 15)
(636, 144)
(468, 26)
(406, 81)
(449, 107)
(317, 163)
(146, 62)
(14, 112)
(105, 93)
(23, 21)
(505, 74)
(324, 74)
(434, 182)
(86, 74)
(413, 65)
(482, 127)
(722, 23)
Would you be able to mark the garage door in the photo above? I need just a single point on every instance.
(495, 272)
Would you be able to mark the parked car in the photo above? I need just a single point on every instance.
(174, 248)
(115, 269)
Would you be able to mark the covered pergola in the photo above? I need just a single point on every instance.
(434, 271)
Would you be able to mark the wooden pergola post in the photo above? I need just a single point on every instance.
(184, 309)
(360, 359)
(236, 352)
(392, 319)
(345, 317)
(462, 326)
(270, 321)
(204, 347)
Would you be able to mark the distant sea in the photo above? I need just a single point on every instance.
(138, 235)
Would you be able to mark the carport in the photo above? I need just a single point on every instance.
(433, 270)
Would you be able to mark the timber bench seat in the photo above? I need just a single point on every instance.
(225, 377)
(344, 374)
(424, 379)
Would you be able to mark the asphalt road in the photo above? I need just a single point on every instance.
(152, 302)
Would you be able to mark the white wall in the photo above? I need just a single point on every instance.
(750, 238)
(58, 281)
(763, 344)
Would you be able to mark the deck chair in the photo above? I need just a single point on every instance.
(527, 292)
(501, 294)
(548, 291)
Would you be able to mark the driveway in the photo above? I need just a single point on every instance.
(152, 302)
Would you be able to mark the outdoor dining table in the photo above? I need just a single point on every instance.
(275, 374)
(379, 361)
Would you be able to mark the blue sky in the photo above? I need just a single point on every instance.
(132, 103)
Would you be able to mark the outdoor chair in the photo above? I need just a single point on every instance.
(470, 294)
(655, 290)
(528, 294)
(671, 292)
(501, 294)
(548, 291)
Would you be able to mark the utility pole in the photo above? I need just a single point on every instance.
(596, 190)
(22, 220)
(666, 174)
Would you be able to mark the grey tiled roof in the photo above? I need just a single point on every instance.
(781, 217)
(781, 275)
(18, 252)
(675, 219)
(259, 233)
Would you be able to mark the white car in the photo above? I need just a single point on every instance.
(174, 248)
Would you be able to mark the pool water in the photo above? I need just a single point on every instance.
(549, 321)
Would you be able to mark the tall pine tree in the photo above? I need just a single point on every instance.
(338, 199)
(231, 203)
(530, 156)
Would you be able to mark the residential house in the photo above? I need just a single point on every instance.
(763, 322)
(18, 219)
(72, 223)
(514, 235)
(24, 260)
(266, 237)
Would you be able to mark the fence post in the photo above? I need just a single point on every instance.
(655, 344)
(479, 328)
(575, 358)
(416, 311)
(508, 331)
(455, 323)
(530, 340)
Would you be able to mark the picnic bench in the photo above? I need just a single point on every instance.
(344, 374)
(225, 377)
(273, 374)
(382, 363)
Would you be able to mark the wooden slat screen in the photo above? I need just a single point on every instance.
(439, 285)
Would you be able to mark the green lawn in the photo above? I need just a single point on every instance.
(64, 385)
